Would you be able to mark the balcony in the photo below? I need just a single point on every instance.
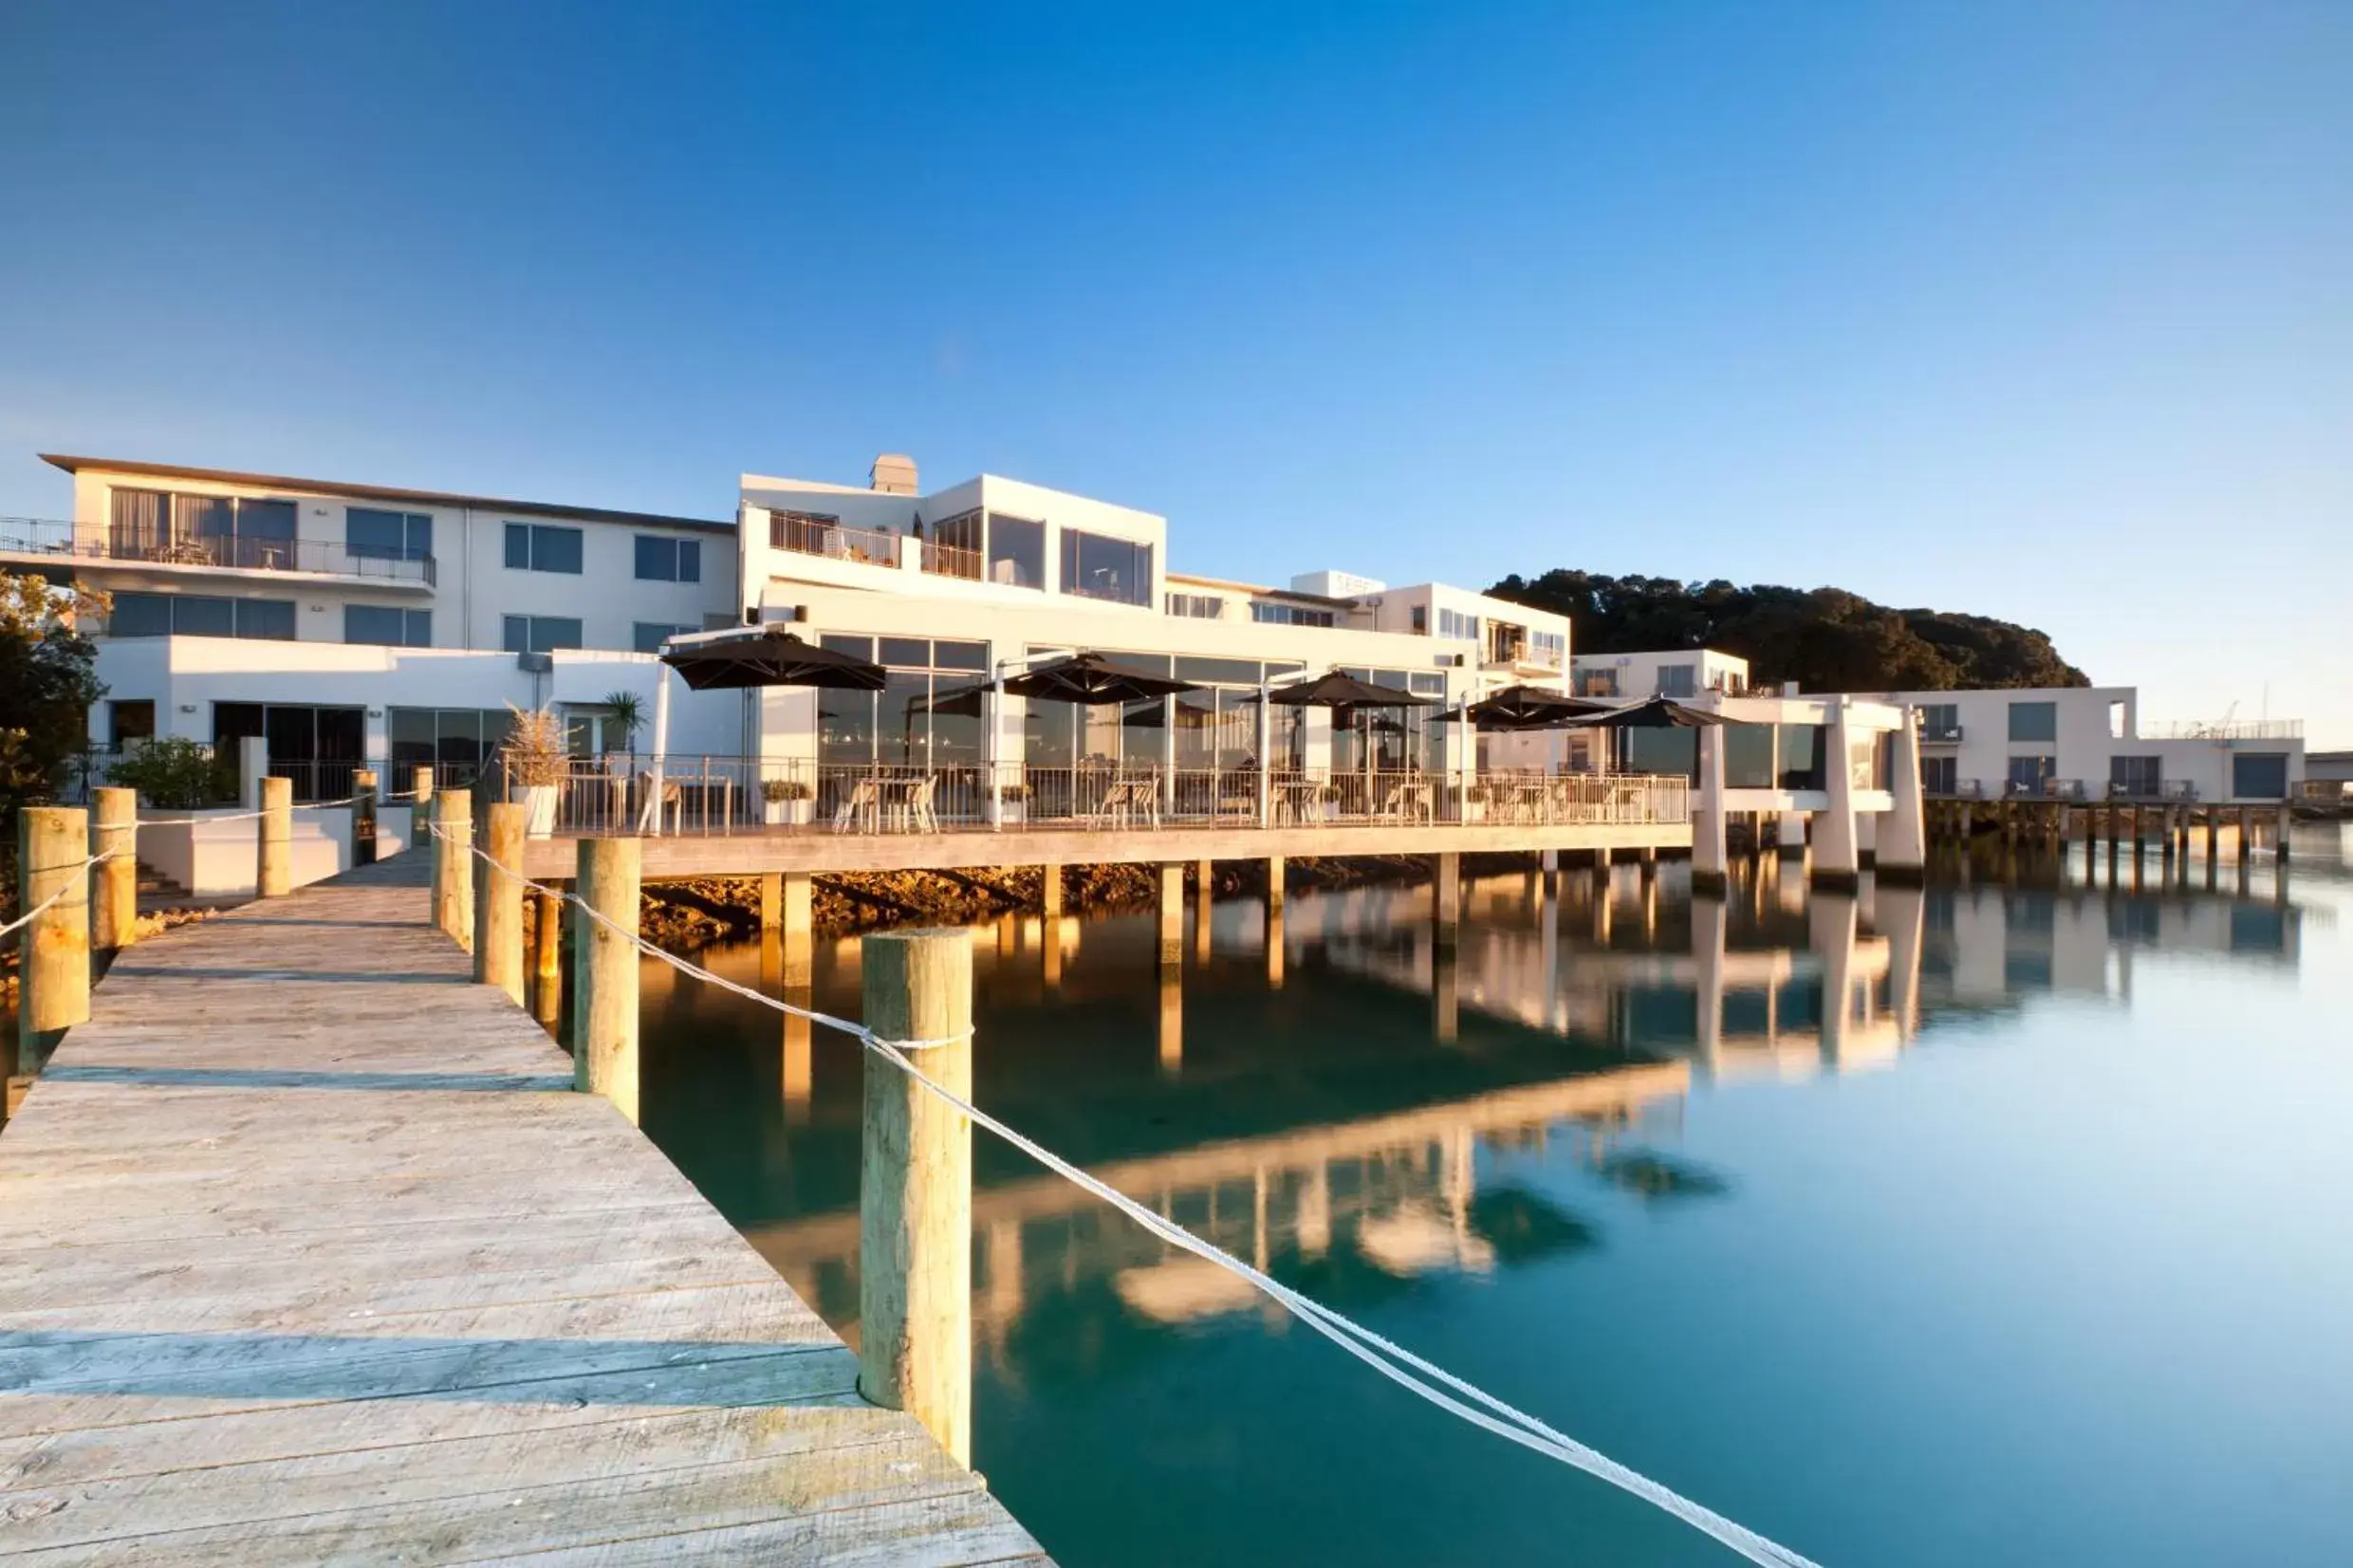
(951, 560)
(38, 542)
(1940, 734)
(808, 533)
(2225, 729)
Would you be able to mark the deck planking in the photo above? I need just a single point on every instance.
(309, 1253)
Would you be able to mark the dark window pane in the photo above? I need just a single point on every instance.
(270, 619)
(197, 617)
(374, 623)
(1016, 551)
(959, 656)
(518, 546)
(377, 535)
(555, 549)
(862, 647)
(846, 726)
(690, 561)
(2033, 720)
(658, 559)
(420, 629)
(516, 634)
(141, 616)
(907, 653)
(273, 519)
(1098, 566)
(234, 720)
(1217, 671)
(2260, 775)
(549, 633)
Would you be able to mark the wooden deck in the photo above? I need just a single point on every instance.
(309, 1253)
(821, 850)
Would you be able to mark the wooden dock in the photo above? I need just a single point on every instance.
(309, 1253)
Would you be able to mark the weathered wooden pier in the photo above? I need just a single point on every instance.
(314, 1254)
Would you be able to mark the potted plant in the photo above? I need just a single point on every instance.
(536, 758)
(623, 715)
(786, 801)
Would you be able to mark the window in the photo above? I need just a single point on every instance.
(928, 714)
(387, 536)
(2033, 720)
(541, 633)
(201, 616)
(1941, 721)
(1267, 614)
(214, 530)
(1016, 551)
(317, 748)
(2259, 775)
(1420, 621)
(1549, 648)
(130, 720)
(1197, 606)
(454, 741)
(2136, 776)
(1456, 627)
(1596, 683)
(2031, 775)
(661, 559)
(388, 624)
(1678, 680)
(537, 547)
(1098, 567)
(647, 637)
(1941, 775)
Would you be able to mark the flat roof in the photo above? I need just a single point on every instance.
(378, 492)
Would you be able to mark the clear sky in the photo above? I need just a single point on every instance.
(2042, 311)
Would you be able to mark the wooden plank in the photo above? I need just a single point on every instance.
(306, 1256)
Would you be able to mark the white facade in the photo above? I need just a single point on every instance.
(2088, 742)
(1680, 674)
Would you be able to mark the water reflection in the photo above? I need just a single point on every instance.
(1329, 1091)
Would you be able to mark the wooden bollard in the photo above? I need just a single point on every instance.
(273, 854)
(915, 1187)
(53, 984)
(421, 808)
(548, 958)
(498, 901)
(114, 897)
(453, 866)
(364, 817)
(604, 973)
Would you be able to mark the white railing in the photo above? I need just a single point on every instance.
(723, 795)
(2224, 729)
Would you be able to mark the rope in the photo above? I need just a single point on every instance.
(1400, 1366)
(72, 879)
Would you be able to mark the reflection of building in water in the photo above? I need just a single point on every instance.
(1396, 1196)
(1988, 945)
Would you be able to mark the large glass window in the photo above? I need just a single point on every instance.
(317, 748)
(1748, 756)
(1194, 606)
(389, 624)
(1017, 551)
(1678, 680)
(2033, 775)
(2259, 775)
(386, 535)
(928, 714)
(1941, 775)
(539, 548)
(1267, 614)
(2033, 720)
(138, 615)
(661, 559)
(1801, 756)
(218, 530)
(647, 637)
(1098, 567)
(454, 740)
(1458, 627)
(1941, 721)
(540, 633)
(2136, 775)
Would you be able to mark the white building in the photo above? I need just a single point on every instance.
(2088, 742)
(1682, 673)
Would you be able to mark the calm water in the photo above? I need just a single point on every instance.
(2035, 1252)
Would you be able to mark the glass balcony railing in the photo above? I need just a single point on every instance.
(69, 544)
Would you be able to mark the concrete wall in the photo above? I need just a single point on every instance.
(212, 854)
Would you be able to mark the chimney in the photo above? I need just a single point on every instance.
(893, 475)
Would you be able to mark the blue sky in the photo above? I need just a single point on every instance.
(2039, 311)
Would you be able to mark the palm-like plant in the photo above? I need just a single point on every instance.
(624, 713)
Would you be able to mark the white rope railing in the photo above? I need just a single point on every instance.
(63, 887)
(1400, 1366)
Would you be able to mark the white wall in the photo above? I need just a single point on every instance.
(212, 855)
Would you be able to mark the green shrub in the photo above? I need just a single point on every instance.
(176, 774)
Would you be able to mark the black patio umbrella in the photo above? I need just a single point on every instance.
(1093, 678)
(1651, 714)
(1341, 689)
(1517, 708)
(770, 656)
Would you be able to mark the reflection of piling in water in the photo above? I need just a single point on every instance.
(1830, 921)
(798, 1074)
(1901, 914)
(1708, 922)
(1172, 1021)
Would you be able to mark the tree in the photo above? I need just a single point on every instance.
(49, 679)
(1826, 639)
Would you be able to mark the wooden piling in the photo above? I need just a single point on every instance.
(53, 958)
(795, 927)
(604, 973)
(364, 817)
(1446, 899)
(772, 900)
(547, 958)
(1049, 893)
(498, 901)
(273, 858)
(915, 1187)
(452, 865)
(421, 808)
(114, 904)
(1172, 947)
